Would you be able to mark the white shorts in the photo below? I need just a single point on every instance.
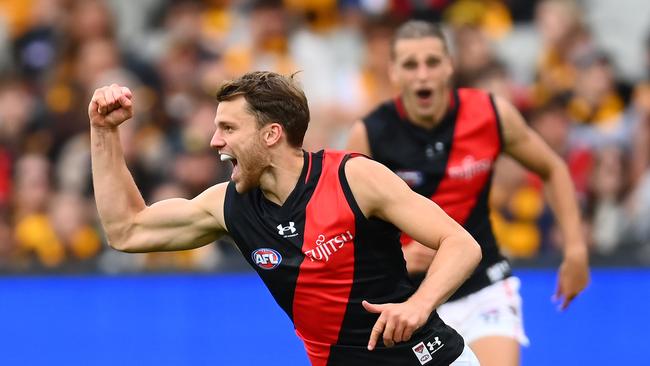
(467, 358)
(492, 311)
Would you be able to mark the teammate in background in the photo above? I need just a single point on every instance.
(443, 142)
(319, 228)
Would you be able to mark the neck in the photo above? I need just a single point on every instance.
(440, 106)
(281, 176)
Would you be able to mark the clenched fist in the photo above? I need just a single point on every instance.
(110, 106)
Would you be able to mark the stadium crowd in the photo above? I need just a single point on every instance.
(544, 56)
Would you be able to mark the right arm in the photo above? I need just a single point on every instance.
(130, 224)
(417, 256)
(383, 195)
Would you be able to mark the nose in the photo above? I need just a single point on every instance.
(422, 72)
(217, 142)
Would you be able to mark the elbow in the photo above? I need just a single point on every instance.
(475, 253)
(119, 245)
(119, 238)
(126, 246)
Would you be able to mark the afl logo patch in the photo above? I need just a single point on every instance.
(266, 258)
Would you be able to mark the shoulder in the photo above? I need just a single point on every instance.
(371, 183)
(513, 125)
(213, 199)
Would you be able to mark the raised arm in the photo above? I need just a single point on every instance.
(382, 194)
(130, 224)
(528, 148)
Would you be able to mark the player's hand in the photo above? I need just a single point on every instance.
(573, 275)
(110, 106)
(396, 322)
(418, 257)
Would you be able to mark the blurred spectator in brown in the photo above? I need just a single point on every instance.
(553, 124)
(641, 110)
(640, 171)
(17, 107)
(607, 206)
(16, 121)
(598, 102)
(8, 255)
(373, 84)
(473, 53)
(36, 36)
(495, 78)
(563, 33)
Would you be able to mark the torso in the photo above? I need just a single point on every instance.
(452, 164)
(320, 257)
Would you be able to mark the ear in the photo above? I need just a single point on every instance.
(272, 133)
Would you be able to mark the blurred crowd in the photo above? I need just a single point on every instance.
(174, 55)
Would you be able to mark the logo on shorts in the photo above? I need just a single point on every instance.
(266, 258)
(288, 231)
(435, 345)
(422, 353)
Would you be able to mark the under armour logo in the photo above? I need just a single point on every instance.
(435, 345)
(290, 228)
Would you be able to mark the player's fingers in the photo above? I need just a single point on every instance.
(372, 308)
(100, 99)
(567, 301)
(408, 333)
(108, 96)
(398, 333)
(93, 106)
(376, 331)
(116, 92)
(389, 333)
(126, 91)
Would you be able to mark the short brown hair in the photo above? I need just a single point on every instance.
(272, 97)
(416, 29)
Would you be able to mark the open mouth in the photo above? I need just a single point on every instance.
(226, 157)
(423, 93)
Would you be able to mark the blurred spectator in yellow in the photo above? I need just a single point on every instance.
(490, 16)
(268, 46)
(563, 33)
(32, 191)
(524, 222)
(202, 259)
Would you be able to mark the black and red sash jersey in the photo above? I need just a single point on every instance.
(451, 163)
(320, 257)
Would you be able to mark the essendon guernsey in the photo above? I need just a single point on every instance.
(320, 258)
(451, 163)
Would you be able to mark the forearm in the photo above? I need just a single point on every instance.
(562, 199)
(116, 194)
(453, 263)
